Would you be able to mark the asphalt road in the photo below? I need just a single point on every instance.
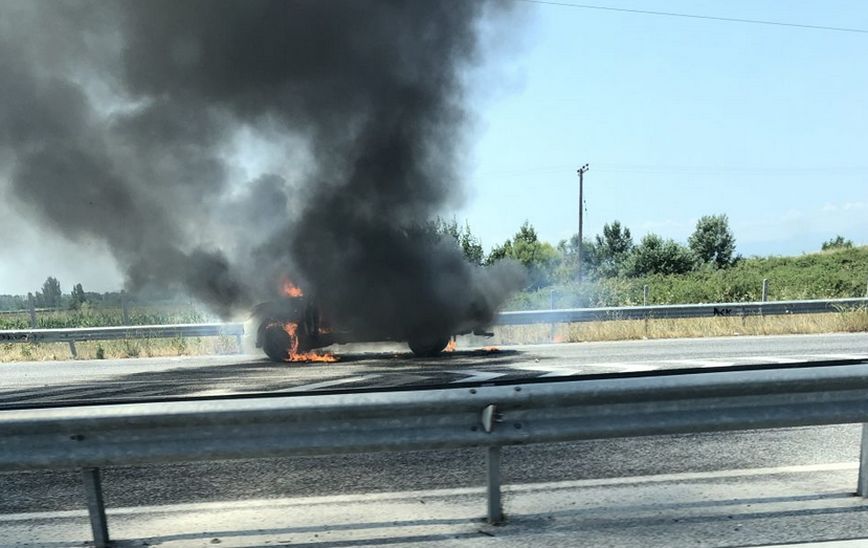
(366, 367)
(387, 472)
(35, 383)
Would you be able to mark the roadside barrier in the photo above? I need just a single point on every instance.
(71, 335)
(487, 417)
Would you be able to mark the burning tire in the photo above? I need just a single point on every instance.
(428, 346)
(280, 343)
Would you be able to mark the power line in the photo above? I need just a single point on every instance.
(696, 16)
(672, 169)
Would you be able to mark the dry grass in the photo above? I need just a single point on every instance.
(135, 348)
(848, 321)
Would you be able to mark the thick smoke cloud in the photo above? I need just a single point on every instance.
(117, 122)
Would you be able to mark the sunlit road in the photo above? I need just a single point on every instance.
(36, 383)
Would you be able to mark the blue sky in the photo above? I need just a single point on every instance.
(678, 118)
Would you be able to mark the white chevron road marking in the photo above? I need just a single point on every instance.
(476, 376)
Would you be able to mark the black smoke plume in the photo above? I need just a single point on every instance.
(120, 122)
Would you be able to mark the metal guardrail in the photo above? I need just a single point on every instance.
(767, 308)
(90, 437)
(71, 335)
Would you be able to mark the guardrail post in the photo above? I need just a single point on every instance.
(72, 349)
(765, 296)
(552, 307)
(95, 506)
(32, 310)
(862, 487)
(495, 506)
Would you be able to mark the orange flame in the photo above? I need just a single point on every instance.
(450, 347)
(289, 289)
(293, 355)
(490, 349)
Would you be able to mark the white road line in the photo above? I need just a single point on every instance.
(214, 392)
(855, 543)
(702, 363)
(623, 367)
(634, 367)
(368, 498)
(326, 384)
(551, 370)
(559, 372)
(842, 356)
(688, 476)
(569, 371)
(476, 376)
(779, 359)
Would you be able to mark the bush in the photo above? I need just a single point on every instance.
(654, 255)
(842, 274)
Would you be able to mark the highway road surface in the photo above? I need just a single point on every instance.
(718, 489)
(370, 367)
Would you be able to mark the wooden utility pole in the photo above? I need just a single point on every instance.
(581, 171)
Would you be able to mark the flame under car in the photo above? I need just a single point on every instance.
(291, 327)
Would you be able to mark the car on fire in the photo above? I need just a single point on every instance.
(295, 324)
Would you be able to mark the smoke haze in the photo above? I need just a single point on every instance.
(120, 124)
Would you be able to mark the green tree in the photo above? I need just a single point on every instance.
(611, 249)
(838, 242)
(654, 255)
(470, 245)
(540, 258)
(567, 270)
(712, 242)
(78, 297)
(51, 292)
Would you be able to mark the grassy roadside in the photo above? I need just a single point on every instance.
(797, 324)
(135, 348)
(851, 321)
(88, 316)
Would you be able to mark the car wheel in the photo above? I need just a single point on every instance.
(279, 343)
(426, 347)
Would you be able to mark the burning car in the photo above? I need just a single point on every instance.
(291, 327)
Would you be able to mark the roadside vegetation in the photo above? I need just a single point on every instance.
(706, 269)
(615, 272)
(846, 321)
(138, 348)
(93, 316)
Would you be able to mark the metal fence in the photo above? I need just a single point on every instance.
(761, 308)
(71, 335)
(121, 303)
(488, 417)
